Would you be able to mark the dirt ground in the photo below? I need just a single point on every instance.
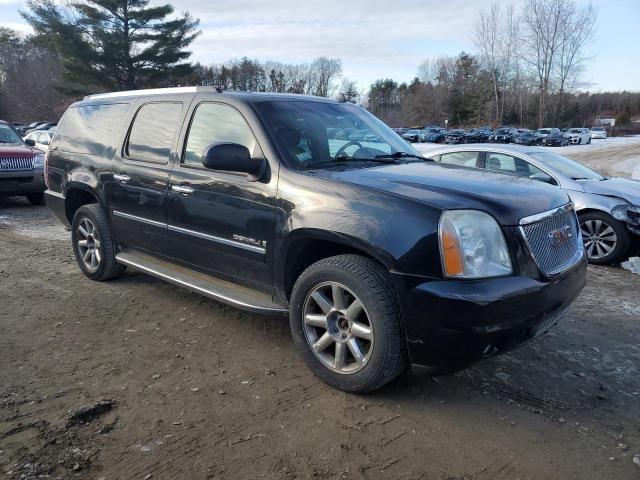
(138, 379)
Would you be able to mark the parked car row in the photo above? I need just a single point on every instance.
(519, 136)
(25, 129)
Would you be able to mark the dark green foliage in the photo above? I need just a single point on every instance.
(114, 44)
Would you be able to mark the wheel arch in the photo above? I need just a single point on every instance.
(78, 194)
(304, 247)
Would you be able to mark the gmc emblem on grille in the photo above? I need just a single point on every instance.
(4, 163)
(560, 236)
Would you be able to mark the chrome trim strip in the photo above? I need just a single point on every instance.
(196, 288)
(224, 241)
(204, 236)
(544, 215)
(139, 219)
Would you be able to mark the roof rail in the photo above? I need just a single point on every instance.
(152, 91)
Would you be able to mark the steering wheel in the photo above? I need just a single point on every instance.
(341, 150)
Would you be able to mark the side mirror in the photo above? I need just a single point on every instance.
(30, 142)
(542, 177)
(232, 157)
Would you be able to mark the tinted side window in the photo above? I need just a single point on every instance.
(153, 131)
(216, 123)
(88, 128)
(465, 159)
(510, 164)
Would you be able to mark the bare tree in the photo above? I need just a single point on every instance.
(543, 22)
(322, 72)
(577, 31)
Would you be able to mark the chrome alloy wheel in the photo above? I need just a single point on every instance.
(88, 245)
(600, 239)
(337, 328)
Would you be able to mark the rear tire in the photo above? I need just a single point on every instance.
(36, 198)
(606, 240)
(93, 247)
(355, 347)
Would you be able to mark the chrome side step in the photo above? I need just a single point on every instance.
(214, 288)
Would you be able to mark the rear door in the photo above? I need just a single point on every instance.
(141, 176)
(222, 223)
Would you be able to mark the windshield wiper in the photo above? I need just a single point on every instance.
(402, 155)
(345, 160)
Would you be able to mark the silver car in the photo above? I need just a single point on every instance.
(608, 208)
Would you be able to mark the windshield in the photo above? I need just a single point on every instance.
(502, 131)
(575, 130)
(569, 168)
(302, 131)
(544, 131)
(413, 132)
(8, 135)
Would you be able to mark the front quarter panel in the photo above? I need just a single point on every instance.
(399, 232)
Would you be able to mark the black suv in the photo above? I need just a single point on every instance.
(381, 257)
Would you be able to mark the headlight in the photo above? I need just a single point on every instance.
(38, 161)
(472, 245)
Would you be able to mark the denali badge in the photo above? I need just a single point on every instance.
(249, 240)
(560, 236)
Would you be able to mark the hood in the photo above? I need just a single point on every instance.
(16, 150)
(628, 190)
(505, 197)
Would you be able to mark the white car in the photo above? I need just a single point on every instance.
(578, 136)
(598, 132)
(40, 138)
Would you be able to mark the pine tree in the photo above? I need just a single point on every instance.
(114, 44)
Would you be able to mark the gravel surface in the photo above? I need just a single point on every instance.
(138, 379)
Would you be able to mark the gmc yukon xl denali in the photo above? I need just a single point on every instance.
(381, 257)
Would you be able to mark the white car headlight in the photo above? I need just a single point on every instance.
(472, 245)
(38, 161)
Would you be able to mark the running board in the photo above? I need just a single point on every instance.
(211, 287)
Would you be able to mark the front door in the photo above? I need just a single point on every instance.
(220, 222)
(141, 176)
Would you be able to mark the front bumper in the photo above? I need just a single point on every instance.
(450, 324)
(21, 182)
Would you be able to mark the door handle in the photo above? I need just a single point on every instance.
(121, 177)
(182, 189)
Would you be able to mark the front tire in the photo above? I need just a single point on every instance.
(606, 240)
(94, 249)
(346, 323)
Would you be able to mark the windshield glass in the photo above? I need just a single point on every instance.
(433, 130)
(575, 130)
(308, 132)
(566, 167)
(544, 131)
(502, 131)
(8, 135)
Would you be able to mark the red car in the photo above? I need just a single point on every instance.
(21, 167)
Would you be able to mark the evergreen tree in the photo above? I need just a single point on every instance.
(114, 44)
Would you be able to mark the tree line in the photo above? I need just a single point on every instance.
(526, 70)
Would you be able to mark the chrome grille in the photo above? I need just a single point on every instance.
(554, 240)
(16, 163)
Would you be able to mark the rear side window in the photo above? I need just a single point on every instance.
(153, 132)
(464, 159)
(88, 128)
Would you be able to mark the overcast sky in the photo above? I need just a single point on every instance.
(378, 38)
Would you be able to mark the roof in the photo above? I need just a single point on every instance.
(250, 97)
